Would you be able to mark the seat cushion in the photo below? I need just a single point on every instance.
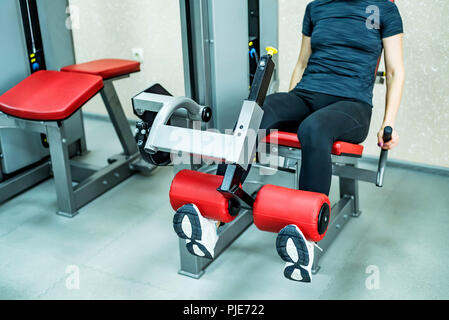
(50, 95)
(289, 139)
(105, 68)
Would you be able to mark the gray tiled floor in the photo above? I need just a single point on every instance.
(125, 248)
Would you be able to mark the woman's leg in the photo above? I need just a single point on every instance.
(345, 120)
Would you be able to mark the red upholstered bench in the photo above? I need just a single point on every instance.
(105, 68)
(49, 95)
(287, 139)
(40, 102)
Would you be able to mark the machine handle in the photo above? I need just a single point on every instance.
(388, 131)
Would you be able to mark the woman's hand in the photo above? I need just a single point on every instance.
(390, 144)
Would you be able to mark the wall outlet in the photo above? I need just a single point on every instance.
(138, 54)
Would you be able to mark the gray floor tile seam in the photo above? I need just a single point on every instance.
(121, 277)
(52, 256)
(57, 257)
(13, 229)
(114, 239)
(52, 286)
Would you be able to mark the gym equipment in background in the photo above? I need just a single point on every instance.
(37, 39)
(42, 101)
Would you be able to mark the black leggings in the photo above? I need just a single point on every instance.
(319, 120)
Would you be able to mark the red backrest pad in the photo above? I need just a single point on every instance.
(50, 95)
(106, 68)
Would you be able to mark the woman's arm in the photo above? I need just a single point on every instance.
(304, 55)
(394, 64)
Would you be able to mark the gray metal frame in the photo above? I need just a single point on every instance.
(238, 147)
(92, 181)
(216, 55)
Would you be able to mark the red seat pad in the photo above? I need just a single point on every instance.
(289, 139)
(200, 189)
(276, 207)
(106, 68)
(49, 95)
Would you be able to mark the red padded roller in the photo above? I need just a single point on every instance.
(200, 189)
(276, 207)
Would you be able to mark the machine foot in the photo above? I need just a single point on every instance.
(191, 275)
(67, 214)
(357, 214)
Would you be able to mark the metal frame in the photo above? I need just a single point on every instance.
(14, 183)
(91, 181)
(229, 147)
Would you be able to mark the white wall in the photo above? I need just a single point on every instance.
(112, 28)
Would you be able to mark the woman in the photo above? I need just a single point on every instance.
(329, 99)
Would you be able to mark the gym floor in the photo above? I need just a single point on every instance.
(125, 248)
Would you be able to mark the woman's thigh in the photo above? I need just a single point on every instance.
(284, 111)
(345, 120)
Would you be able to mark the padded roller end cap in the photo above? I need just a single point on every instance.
(206, 115)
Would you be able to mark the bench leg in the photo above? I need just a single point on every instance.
(350, 188)
(82, 141)
(118, 118)
(60, 162)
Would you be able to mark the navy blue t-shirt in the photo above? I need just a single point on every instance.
(346, 37)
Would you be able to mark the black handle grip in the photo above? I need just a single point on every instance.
(388, 132)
